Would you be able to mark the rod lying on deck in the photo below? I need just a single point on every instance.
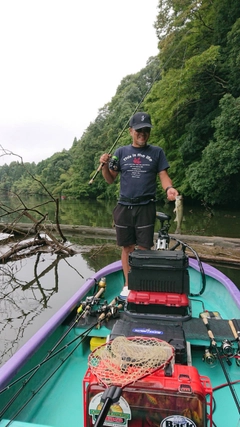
(214, 344)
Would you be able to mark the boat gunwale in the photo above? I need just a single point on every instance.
(220, 277)
(18, 360)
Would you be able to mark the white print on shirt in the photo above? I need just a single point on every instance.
(137, 155)
(136, 167)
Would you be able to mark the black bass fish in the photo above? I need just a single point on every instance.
(179, 213)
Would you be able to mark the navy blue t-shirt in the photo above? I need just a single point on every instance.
(139, 168)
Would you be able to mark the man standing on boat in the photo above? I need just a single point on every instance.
(139, 164)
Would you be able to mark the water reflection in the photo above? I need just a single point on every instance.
(32, 289)
(198, 219)
(105, 254)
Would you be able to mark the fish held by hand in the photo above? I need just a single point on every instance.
(179, 213)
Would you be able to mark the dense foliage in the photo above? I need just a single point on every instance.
(191, 90)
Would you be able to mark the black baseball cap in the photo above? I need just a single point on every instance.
(140, 120)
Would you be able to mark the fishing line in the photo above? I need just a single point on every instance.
(137, 107)
(184, 55)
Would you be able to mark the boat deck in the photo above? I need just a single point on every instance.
(54, 396)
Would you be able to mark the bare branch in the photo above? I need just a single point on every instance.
(38, 224)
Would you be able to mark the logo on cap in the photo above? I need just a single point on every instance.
(140, 119)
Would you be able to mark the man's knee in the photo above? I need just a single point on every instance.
(128, 249)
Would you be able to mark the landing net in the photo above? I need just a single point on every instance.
(125, 360)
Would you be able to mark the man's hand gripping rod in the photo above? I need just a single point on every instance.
(109, 152)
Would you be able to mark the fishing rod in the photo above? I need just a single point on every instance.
(85, 307)
(47, 359)
(110, 151)
(51, 354)
(125, 127)
(135, 110)
(123, 130)
(214, 344)
(110, 311)
(34, 393)
(80, 313)
(35, 369)
(236, 333)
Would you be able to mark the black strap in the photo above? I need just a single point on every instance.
(137, 200)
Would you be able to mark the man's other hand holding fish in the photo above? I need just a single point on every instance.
(179, 213)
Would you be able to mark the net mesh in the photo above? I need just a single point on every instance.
(125, 360)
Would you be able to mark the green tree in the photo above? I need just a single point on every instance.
(216, 178)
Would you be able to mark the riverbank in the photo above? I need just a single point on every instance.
(225, 250)
(207, 251)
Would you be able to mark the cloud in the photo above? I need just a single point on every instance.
(28, 140)
(61, 61)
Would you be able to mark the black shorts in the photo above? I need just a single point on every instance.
(135, 224)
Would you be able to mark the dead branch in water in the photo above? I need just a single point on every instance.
(39, 228)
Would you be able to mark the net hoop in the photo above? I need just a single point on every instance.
(124, 360)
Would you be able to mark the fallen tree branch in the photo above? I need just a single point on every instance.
(20, 247)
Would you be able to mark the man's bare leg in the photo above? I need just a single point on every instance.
(126, 250)
(125, 264)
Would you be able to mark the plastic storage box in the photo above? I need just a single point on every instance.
(173, 334)
(163, 305)
(156, 400)
(158, 271)
(96, 342)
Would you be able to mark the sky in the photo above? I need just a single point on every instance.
(61, 61)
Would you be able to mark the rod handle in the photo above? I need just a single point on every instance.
(235, 334)
(210, 334)
(96, 173)
(99, 293)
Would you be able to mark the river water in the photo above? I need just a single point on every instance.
(33, 289)
(197, 220)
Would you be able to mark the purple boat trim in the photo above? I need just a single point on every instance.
(15, 363)
(220, 277)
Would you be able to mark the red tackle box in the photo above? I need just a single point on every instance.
(156, 400)
(169, 306)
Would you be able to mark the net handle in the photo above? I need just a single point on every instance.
(110, 396)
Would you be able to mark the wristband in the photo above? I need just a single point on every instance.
(170, 186)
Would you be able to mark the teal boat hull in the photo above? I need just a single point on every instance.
(54, 395)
